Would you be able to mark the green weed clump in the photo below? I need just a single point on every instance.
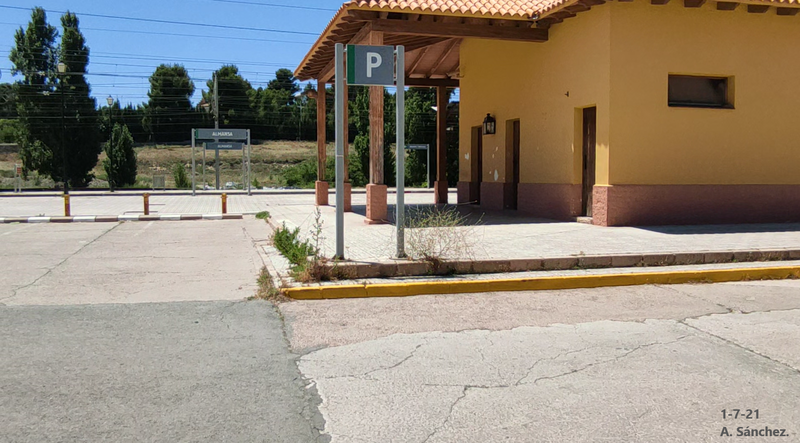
(263, 215)
(288, 243)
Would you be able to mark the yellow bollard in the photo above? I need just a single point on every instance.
(66, 205)
(146, 198)
(224, 203)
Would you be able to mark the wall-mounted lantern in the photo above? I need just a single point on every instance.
(489, 125)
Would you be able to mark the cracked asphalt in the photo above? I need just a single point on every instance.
(140, 332)
(635, 364)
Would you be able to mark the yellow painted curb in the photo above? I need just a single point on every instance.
(540, 283)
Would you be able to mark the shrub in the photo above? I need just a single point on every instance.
(120, 161)
(434, 234)
(180, 176)
(288, 243)
(8, 131)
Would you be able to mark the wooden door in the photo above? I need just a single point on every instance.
(515, 134)
(477, 162)
(589, 158)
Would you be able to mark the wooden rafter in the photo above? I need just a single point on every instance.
(443, 57)
(451, 30)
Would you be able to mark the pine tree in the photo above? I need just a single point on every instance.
(82, 134)
(45, 98)
(169, 114)
(34, 59)
(120, 162)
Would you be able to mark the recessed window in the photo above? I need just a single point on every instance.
(699, 92)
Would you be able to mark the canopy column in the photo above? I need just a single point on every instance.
(321, 186)
(440, 186)
(348, 188)
(377, 200)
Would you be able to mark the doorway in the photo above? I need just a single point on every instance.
(476, 171)
(589, 159)
(512, 163)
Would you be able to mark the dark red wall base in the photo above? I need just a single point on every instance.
(648, 205)
(555, 201)
(495, 196)
(468, 192)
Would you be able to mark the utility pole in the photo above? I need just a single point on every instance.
(216, 124)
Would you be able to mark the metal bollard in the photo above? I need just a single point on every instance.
(66, 205)
(146, 198)
(224, 203)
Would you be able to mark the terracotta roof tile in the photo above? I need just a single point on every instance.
(493, 8)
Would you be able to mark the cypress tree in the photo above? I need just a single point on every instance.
(120, 162)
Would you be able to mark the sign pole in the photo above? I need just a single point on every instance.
(249, 151)
(204, 166)
(193, 166)
(400, 151)
(340, 110)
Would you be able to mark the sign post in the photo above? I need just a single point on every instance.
(400, 152)
(340, 110)
(17, 178)
(371, 66)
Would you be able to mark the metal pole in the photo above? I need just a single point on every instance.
(400, 150)
(428, 177)
(63, 149)
(193, 167)
(340, 106)
(204, 166)
(216, 126)
(249, 151)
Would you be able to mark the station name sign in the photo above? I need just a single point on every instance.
(221, 134)
(225, 146)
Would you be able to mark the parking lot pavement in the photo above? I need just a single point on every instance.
(150, 372)
(139, 332)
(128, 262)
(647, 363)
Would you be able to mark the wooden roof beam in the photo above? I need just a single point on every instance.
(788, 11)
(453, 30)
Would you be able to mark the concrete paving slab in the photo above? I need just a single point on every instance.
(771, 334)
(131, 262)
(656, 381)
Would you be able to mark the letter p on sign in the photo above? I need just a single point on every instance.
(370, 65)
(374, 60)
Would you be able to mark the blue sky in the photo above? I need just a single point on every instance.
(124, 53)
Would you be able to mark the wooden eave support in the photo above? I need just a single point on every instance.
(757, 9)
(726, 6)
(693, 3)
(659, 2)
(455, 30)
(788, 11)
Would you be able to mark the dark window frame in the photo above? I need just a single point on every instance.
(699, 91)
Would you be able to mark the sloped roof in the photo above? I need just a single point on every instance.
(341, 30)
(495, 8)
(524, 9)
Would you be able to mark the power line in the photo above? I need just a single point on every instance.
(309, 8)
(171, 22)
(175, 34)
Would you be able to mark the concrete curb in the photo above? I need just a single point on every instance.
(540, 283)
(406, 268)
(120, 218)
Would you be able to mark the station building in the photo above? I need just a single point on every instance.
(642, 112)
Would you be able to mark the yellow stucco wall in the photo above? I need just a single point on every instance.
(755, 143)
(529, 82)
